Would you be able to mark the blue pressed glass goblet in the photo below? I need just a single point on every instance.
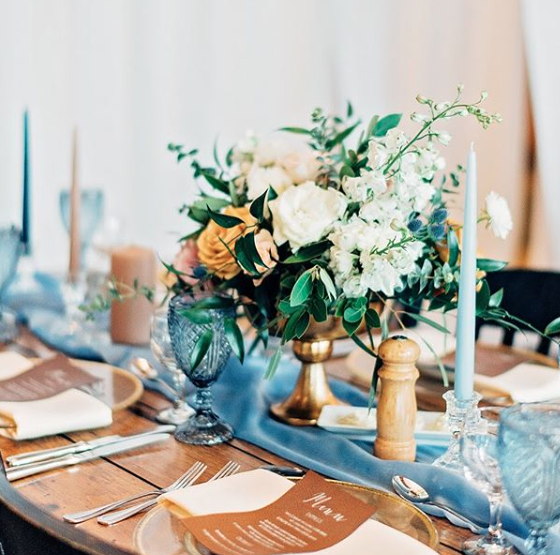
(205, 427)
(10, 250)
(529, 454)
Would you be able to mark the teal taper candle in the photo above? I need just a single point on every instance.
(26, 211)
(465, 355)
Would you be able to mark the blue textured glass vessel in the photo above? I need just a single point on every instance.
(529, 453)
(10, 250)
(205, 427)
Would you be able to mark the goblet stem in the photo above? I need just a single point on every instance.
(203, 400)
(180, 386)
(495, 525)
(536, 543)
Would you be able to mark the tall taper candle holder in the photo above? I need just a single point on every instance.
(462, 415)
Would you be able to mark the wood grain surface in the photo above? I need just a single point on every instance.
(41, 500)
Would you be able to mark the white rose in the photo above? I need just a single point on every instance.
(301, 165)
(305, 214)
(395, 139)
(260, 179)
(499, 216)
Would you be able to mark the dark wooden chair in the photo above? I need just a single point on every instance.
(533, 296)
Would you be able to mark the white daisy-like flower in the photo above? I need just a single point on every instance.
(499, 215)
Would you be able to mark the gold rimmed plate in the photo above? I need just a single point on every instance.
(117, 388)
(160, 533)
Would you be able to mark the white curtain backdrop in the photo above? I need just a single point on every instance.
(136, 74)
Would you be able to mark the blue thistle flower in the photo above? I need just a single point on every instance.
(415, 225)
(439, 216)
(437, 231)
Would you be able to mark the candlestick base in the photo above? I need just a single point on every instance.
(462, 415)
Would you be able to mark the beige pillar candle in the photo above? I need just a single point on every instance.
(396, 408)
(130, 319)
(75, 202)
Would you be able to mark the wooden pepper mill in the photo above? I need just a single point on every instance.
(396, 409)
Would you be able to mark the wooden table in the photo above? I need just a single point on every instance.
(41, 500)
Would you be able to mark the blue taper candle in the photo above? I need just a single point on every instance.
(465, 355)
(26, 211)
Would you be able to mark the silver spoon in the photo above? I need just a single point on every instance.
(143, 369)
(411, 491)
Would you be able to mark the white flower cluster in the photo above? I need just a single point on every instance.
(273, 161)
(373, 249)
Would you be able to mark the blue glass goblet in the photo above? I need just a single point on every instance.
(529, 455)
(10, 250)
(205, 427)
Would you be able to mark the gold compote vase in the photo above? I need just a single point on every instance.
(312, 391)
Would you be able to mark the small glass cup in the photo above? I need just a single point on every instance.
(91, 214)
(529, 455)
(205, 427)
(10, 251)
(160, 343)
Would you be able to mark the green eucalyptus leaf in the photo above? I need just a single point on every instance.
(351, 327)
(328, 283)
(371, 126)
(339, 137)
(234, 337)
(452, 246)
(346, 171)
(199, 215)
(201, 348)
(218, 184)
(420, 318)
(215, 301)
(251, 248)
(302, 289)
(273, 363)
(553, 328)
(318, 309)
(298, 130)
(213, 202)
(490, 265)
(483, 297)
(223, 220)
(244, 257)
(372, 318)
(386, 124)
(302, 324)
(197, 316)
(257, 207)
(308, 252)
(496, 299)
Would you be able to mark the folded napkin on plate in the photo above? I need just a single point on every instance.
(68, 411)
(253, 490)
(526, 383)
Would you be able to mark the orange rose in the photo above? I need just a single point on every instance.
(213, 253)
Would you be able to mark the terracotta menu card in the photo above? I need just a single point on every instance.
(44, 380)
(311, 516)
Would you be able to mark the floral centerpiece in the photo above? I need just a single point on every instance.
(326, 221)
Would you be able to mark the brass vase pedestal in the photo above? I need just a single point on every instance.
(312, 391)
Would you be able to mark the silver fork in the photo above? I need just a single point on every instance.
(195, 470)
(228, 469)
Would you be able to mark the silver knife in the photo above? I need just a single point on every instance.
(15, 473)
(33, 457)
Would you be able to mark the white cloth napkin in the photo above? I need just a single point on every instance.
(526, 383)
(249, 491)
(70, 411)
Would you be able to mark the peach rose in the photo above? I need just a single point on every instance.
(267, 251)
(213, 253)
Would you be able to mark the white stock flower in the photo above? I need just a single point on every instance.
(376, 154)
(342, 262)
(352, 287)
(270, 150)
(301, 164)
(259, 179)
(395, 139)
(359, 189)
(380, 276)
(499, 215)
(305, 214)
(346, 236)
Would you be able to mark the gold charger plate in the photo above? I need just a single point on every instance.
(160, 533)
(118, 388)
